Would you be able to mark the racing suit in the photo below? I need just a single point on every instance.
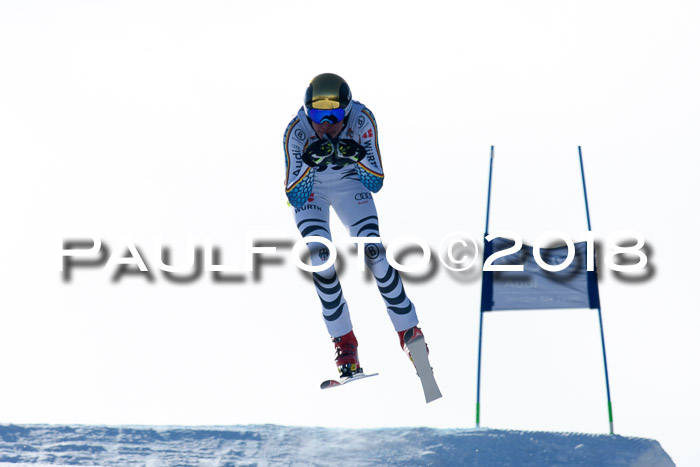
(348, 188)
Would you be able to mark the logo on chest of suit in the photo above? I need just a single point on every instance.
(361, 121)
(299, 134)
(368, 134)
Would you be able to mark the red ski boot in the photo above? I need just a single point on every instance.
(409, 335)
(346, 355)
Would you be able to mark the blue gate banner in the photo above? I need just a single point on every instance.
(535, 288)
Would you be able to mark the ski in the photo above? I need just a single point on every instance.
(419, 354)
(332, 383)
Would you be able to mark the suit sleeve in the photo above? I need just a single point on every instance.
(370, 168)
(299, 181)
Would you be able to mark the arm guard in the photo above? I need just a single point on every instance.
(299, 194)
(370, 169)
(299, 181)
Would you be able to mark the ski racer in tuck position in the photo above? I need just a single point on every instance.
(332, 159)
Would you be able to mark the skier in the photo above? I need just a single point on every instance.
(332, 159)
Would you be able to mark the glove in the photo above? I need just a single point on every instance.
(352, 150)
(317, 152)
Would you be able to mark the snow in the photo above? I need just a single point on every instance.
(275, 445)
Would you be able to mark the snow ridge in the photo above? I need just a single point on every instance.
(273, 445)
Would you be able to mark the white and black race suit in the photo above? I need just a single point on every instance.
(348, 189)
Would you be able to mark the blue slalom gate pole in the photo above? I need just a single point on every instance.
(478, 372)
(488, 198)
(481, 311)
(585, 193)
(600, 314)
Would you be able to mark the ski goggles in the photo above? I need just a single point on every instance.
(326, 115)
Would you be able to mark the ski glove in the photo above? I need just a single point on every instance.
(351, 149)
(317, 152)
(333, 151)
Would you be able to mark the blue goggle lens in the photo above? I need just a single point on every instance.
(328, 115)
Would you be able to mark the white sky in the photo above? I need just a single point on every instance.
(143, 120)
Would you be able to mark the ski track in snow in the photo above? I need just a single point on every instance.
(273, 445)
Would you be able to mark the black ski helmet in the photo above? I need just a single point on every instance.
(328, 91)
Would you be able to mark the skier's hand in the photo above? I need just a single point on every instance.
(351, 150)
(317, 152)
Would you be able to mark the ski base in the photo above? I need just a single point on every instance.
(419, 354)
(332, 383)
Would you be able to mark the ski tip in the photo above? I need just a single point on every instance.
(329, 384)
